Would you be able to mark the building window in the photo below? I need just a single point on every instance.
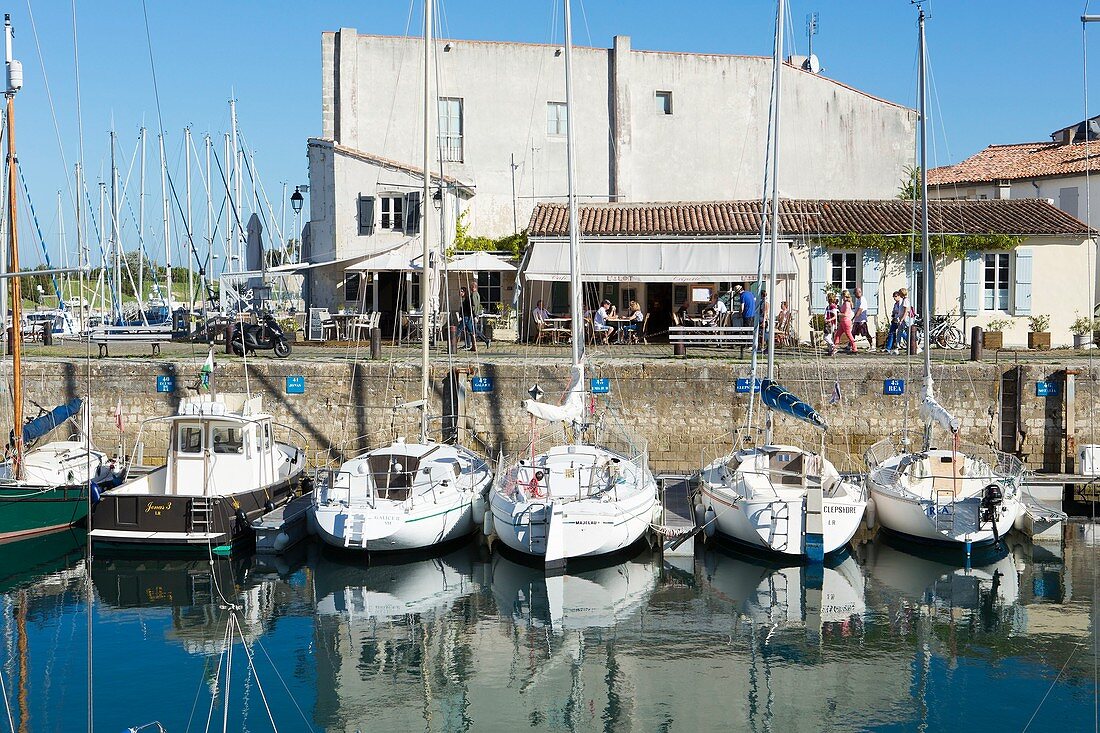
(556, 115)
(843, 270)
(664, 103)
(392, 209)
(450, 129)
(996, 281)
(351, 287)
(488, 287)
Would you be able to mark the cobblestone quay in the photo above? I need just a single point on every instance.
(687, 410)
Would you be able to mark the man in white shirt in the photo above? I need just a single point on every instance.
(541, 314)
(600, 321)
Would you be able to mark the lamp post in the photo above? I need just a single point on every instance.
(296, 201)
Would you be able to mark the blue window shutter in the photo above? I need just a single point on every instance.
(412, 212)
(1022, 297)
(872, 272)
(819, 267)
(972, 283)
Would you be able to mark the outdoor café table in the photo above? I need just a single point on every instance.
(562, 322)
(620, 323)
(343, 321)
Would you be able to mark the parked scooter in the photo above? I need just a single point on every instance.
(267, 334)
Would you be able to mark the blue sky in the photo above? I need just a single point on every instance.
(1005, 71)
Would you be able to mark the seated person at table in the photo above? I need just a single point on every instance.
(636, 317)
(603, 330)
(540, 313)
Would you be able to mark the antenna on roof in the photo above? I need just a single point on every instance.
(812, 64)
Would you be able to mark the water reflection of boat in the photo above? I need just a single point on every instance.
(394, 587)
(392, 645)
(794, 594)
(35, 559)
(598, 597)
(941, 577)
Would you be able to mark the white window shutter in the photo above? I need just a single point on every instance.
(872, 272)
(1022, 295)
(819, 269)
(973, 266)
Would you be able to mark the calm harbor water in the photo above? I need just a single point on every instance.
(884, 640)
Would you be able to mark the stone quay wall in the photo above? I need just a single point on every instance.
(687, 410)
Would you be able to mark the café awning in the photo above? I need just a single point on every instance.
(654, 261)
(405, 257)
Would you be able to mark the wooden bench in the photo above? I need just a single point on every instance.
(104, 338)
(712, 336)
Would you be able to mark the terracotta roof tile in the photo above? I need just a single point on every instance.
(1021, 217)
(1020, 160)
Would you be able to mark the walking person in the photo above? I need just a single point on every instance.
(832, 313)
(859, 320)
(477, 312)
(908, 318)
(893, 336)
(847, 313)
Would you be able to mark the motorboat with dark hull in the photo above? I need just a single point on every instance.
(223, 469)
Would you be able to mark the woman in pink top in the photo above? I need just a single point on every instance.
(847, 312)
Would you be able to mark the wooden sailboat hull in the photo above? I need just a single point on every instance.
(29, 510)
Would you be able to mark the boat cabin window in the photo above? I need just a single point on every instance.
(267, 436)
(190, 439)
(228, 439)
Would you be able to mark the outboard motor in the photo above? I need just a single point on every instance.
(992, 496)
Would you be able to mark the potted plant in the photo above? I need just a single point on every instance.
(1038, 336)
(882, 334)
(1082, 330)
(992, 338)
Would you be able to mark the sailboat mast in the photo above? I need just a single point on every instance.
(777, 98)
(116, 245)
(926, 256)
(167, 230)
(575, 299)
(15, 81)
(190, 230)
(78, 173)
(425, 198)
(141, 227)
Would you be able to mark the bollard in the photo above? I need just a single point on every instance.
(47, 334)
(11, 334)
(230, 331)
(679, 349)
(452, 340)
(912, 339)
(976, 343)
(376, 343)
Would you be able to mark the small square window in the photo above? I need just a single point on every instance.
(556, 118)
(664, 103)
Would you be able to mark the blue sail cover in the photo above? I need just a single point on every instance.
(39, 426)
(778, 398)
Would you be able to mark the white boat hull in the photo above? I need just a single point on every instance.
(562, 526)
(910, 516)
(436, 507)
(752, 510)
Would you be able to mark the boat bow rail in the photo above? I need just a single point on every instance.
(569, 481)
(984, 461)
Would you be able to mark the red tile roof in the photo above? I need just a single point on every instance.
(1022, 217)
(1020, 160)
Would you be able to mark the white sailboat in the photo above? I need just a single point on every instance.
(577, 498)
(957, 495)
(780, 498)
(406, 495)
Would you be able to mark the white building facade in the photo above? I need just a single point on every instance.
(650, 126)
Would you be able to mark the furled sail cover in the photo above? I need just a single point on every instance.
(571, 410)
(778, 398)
(932, 411)
(36, 428)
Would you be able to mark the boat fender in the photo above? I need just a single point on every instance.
(699, 512)
(242, 518)
(281, 541)
(709, 525)
(1020, 522)
(658, 513)
(269, 506)
(487, 525)
(477, 509)
(870, 514)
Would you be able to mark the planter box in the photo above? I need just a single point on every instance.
(1040, 341)
(1081, 339)
(992, 339)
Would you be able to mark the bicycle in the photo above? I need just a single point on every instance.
(943, 332)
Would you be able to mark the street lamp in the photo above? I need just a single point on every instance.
(296, 201)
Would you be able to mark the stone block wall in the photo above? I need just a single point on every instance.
(688, 411)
